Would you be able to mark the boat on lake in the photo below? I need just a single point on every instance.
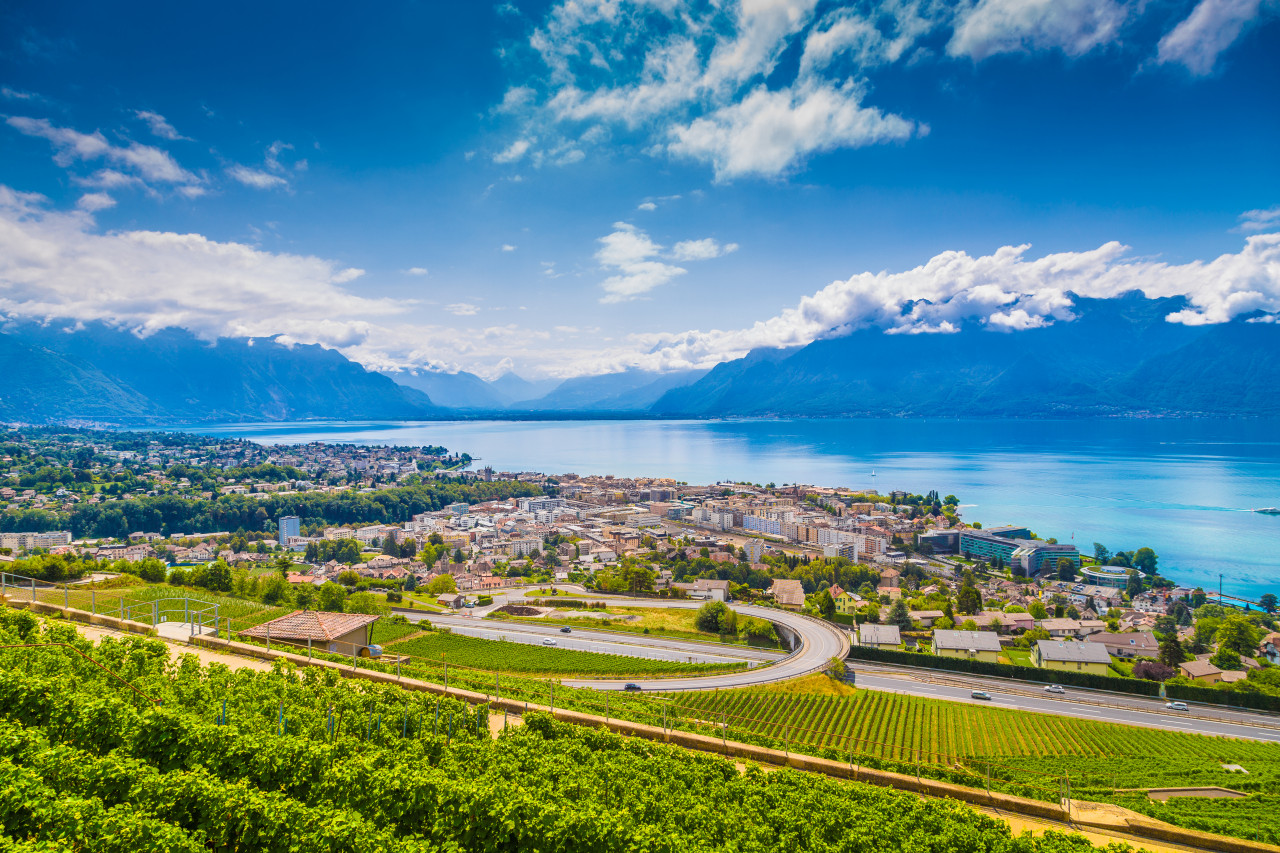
(1269, 510)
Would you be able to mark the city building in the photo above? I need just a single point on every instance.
(974, 645)
(1113, 577)
(1011, 546)
(290, 526)
(788, 593)
(1077, 657)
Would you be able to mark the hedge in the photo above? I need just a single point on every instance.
(1140, 687)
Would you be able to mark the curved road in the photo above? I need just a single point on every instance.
(818, 642)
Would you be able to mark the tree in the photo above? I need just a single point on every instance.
(1198, 598)
(1238, 634)
(825, 604)
(348, 577)
(1171, 653)
(458, 556)
(218, 576)
(1152, 670)
(637, 578)
(331, 597)
(304, 596)
(758, 630)
(442, 584)
(389, 546)
(1226, 658)
(712, 616)
(152, 570)
(366, 602)
(275, 590)
(1066, 569)
(1133, 586)
(1268, 602)
(835, 669)
(870, 612)
(968, 599)
(1100, 554)
(410, 582)
(1145, 559)
(899, 615)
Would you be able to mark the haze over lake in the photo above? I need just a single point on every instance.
(1182, 487)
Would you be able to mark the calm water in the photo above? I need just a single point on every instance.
(1184, 488)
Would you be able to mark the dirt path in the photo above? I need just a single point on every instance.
(206, 656)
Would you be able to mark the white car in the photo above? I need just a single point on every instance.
(1055, 688)
(549, 641)
(1176, 706)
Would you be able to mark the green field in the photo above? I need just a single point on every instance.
(205, 758)
(524, 658)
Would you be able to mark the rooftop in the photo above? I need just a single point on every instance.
(978, 641)
(311, 625)
(1057, 650)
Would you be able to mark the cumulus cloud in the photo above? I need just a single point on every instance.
(1211, 28)
(147, 163)
(158, 125)
(640, 265)
(769, 132)
(1013, 26)
(1004, 290)
(462, 309)
(56, 265)
(646, 205)
(416, 271)
(507, 247)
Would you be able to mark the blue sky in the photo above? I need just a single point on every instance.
(577, 187)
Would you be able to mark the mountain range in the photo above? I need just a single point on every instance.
(1117, 357)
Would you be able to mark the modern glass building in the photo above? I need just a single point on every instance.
(1013, 547)
(290, 525)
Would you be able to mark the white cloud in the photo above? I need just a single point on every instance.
(159, 125)
(692, 80)
(19, 95)
(149, 164)
(507, 247)
(462, 309)
(514, 152)
(770, 132)
(701, 250)
(272, 157)
(95, 201)
(1003, 290)
(1210, 29)
(639, 264)
(1260, 220)
(256, 178)
(56, 265)
(416, 271)
(1015, 26)
(646, 205)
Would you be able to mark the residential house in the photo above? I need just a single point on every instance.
(1071, 656)
(926, 617)
(846, 602)
(1136, 644)
(788, 593)
(973, 645)
(1200, 670)
(880, 636)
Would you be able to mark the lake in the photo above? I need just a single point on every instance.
(1182, 487)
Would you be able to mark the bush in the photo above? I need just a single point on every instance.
(1152, 670)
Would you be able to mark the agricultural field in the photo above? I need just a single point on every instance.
(387, 630)
(497, 655)
(205, 758)
(1037, 755)
(677, 623)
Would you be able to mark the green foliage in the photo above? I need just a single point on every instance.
(494, 655)
(715, 617)
(442, 584)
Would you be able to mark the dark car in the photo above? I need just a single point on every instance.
(566, 630)
(630, 685)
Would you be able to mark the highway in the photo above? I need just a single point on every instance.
(819, 643)
(586, 640)
(1083, 706)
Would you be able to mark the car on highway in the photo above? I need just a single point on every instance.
(980, 694)
(1176, 706)
(631, 685)
(1055, 688)
(566, 630)
(549, 641)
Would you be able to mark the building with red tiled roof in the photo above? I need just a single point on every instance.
(343, 633)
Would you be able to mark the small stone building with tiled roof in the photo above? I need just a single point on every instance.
(341, 633)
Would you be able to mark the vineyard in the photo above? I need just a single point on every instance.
(177, 757)
(1036, 755)
(130, 602)
(539, 660)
